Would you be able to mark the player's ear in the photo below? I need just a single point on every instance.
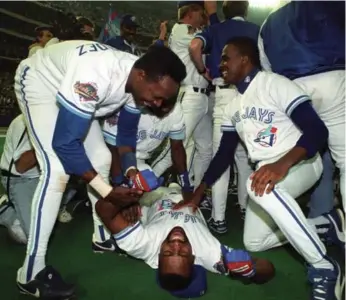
(141, 74)
(245, 59)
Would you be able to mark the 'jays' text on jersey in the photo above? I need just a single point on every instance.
(179, 41)
(261, 116)
(304, 38)
(87, 78)
(143, 240)
(151, 131)
(216, 36)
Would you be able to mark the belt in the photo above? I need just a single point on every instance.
(199, 90)
(6, 173)
(221, 87)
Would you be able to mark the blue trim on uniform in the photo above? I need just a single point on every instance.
(37, 226)
(73, 108)
(296, 218)
(227, 128)
(131, 109)
(127, 231)
(177, 134)
(244, 84)
(295, 102)
(109, 138)
(203, 40)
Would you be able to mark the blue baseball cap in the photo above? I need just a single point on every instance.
(184, 3)
(129, 21)
(197, 286)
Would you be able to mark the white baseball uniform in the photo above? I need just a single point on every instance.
(261, 117)
(194, 102)
(88, 79)
(151, 132)
(143, 239)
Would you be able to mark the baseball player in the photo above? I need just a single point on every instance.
(311, 37)
(193, 98)
(151, 133)
(61, 91)
(211, 41)
(177, 243)
(276, 121)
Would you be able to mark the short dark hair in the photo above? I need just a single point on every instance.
(233, 9)
(247, 46)
(173, 282)
(161, 61)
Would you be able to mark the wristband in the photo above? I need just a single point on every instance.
(128, 161)
(203, 71)
(119, 179)
(100, 186)
(184, 180)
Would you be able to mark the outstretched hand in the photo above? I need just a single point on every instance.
(123, 196)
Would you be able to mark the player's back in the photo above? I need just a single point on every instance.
(221, 33)
(305, 37)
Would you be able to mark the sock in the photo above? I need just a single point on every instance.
(25, 274)
(320, 224)
(323, 264)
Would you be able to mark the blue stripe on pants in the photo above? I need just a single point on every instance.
(35, 225)
(282, 201)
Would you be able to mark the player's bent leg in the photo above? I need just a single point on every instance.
(323, 273)
(100, 158)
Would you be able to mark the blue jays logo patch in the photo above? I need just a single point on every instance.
(86, 91)
(267, 137)
(112, 121)
(165, 204)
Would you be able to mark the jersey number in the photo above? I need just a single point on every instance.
(86, 48)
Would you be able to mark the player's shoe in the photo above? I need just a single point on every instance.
(219, 227)
(64, 216)
(326, 284)
(233, 189)
(47, 284)
(107, 246)
(206, 203)
(336, 232)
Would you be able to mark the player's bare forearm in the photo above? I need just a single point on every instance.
(178, 156)
(293, 157)
(195, 50)
(115, 166)
(26, 161)
(89, 176)
(265, 270)
(127, 158)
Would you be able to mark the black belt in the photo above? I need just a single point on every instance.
(199, 90)
(6, 173)
(221, 87)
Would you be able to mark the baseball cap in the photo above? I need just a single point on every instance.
(129, 21)
(45, 27)
(197, 286)
(184, 3)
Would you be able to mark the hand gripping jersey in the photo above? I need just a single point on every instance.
(261, 116)
(151, 131)
(88, 78)
(143, 240)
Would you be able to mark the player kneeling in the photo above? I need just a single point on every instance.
(177, 242)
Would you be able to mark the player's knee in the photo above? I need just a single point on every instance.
(252, 245)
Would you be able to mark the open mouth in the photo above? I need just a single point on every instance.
(177, 234)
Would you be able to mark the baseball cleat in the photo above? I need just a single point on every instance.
(107, 246)
(64, 216)
(47, 284)
(219, 227)
(336, 232)
(326, 284)
(206, 203)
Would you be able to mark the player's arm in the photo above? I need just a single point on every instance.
(263, 57)
(199, 45)
(26, 161)
(211, 9)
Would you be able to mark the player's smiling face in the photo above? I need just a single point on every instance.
(232, 64)
(157, 96)
(176, 253)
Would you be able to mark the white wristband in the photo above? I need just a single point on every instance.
(100, 186)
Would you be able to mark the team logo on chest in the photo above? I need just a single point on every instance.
(112, 121)
(86, 91)
(267, 137)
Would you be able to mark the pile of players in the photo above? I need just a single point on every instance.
(98, 113)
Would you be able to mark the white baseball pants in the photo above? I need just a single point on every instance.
(220, 188)
(40, 111)
(199, 128)
(327, 92)
(275, 218)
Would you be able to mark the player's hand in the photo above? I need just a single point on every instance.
(123, 196)
(265, 178)
(207, 75)
(163, 28)
(132, 213)
(192, 201)
(210, 7)
(144, 180)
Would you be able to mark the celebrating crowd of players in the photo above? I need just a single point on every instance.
(221, 93)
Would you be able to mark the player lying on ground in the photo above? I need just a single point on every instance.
(152, 130)
(178, 243)
(275, 120)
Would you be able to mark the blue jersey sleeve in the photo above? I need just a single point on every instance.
(70, 131)
(206, 37)
(214, 19)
